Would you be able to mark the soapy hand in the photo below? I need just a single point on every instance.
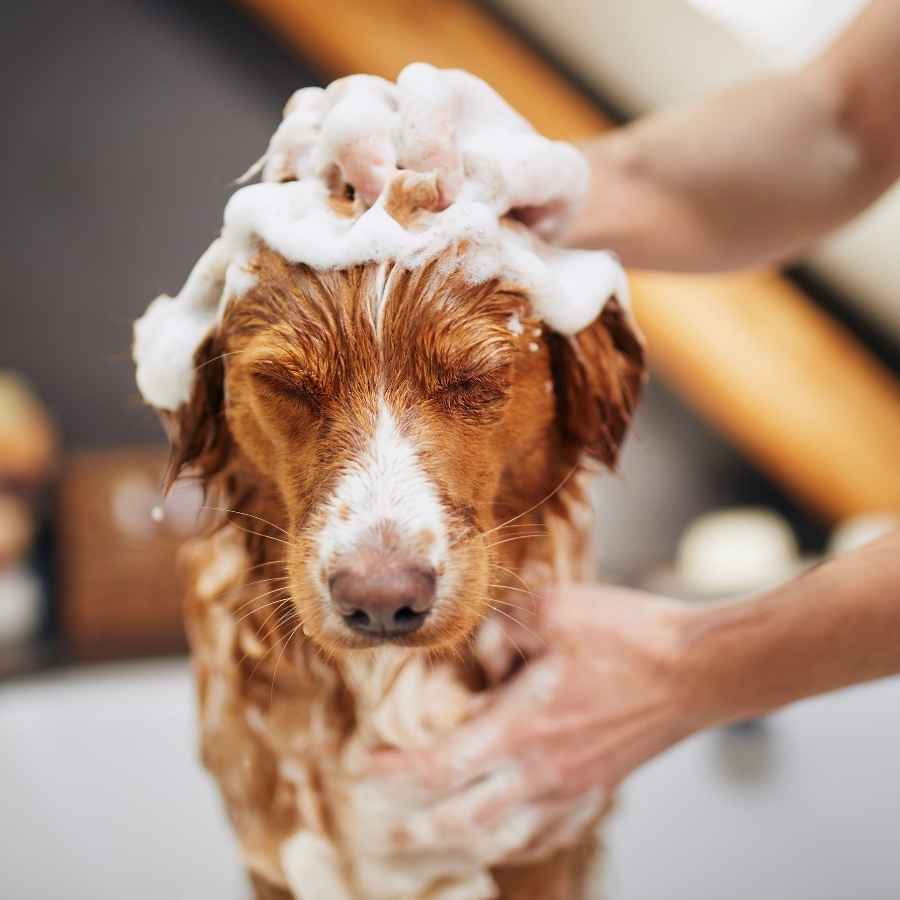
(539, 761)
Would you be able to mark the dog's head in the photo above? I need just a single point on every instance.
(388, 420)
(380, 423)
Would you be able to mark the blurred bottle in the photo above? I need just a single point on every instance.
(28, 451)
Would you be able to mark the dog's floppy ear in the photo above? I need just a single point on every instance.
(198, 432)
(599, 373)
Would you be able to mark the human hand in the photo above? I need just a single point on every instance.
(541, 758)
(619, 207)
(639, 209)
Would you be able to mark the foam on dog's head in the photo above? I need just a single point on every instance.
(328, 199)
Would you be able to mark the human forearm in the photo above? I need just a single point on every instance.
(757, 173)
(624, 675)
(745, 178)
(837, 625)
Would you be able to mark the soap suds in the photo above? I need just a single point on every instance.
(312, 868)
(514, 324)
(365, 133)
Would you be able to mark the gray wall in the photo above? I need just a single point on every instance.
(124, 125)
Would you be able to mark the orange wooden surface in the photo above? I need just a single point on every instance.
(790, 386)
(794, 390)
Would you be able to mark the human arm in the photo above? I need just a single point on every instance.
(836, 626)
(755, 174)
(626, 675)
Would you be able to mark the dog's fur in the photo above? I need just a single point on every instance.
(304, 375)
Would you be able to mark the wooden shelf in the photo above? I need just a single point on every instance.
(795, 391)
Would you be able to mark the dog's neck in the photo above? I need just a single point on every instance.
(288, 731)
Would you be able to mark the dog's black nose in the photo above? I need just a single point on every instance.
(388, 599)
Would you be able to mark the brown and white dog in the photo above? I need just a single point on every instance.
(394, 451)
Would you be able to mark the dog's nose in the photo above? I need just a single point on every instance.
(386, 599)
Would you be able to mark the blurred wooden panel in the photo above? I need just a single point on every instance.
(794, 390)
(119, 590)
(380, 37)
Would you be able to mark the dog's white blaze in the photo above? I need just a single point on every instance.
(385, 486)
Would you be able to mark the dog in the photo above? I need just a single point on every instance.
(399, 453)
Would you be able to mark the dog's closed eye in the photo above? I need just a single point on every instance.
(474, 394)
(287, 386)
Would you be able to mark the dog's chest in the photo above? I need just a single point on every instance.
(292, 769)
(289, 745)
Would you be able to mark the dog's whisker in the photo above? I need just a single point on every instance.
(516, 606)
(518, 537)
(509, 587)
(270, 580)
(263, 638)
(471, 537)
(252, 600)
(536, 529)
(511, 639)
(270, 562)
(514, 574)
(530, 524)
(266, 635)
(530, 509)
(209, 362)
(267, 537)
(272, 632)
(284, 646)
(278, 602)
(521, 607)
(237, 512)
(238, 588)
(276, 587)
(533, 633)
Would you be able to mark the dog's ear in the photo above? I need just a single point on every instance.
(598, 376)
(198, 432)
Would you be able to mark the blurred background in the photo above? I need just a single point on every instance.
(769, 436)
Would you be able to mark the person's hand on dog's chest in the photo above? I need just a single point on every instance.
(618, 676)
(541, 758)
